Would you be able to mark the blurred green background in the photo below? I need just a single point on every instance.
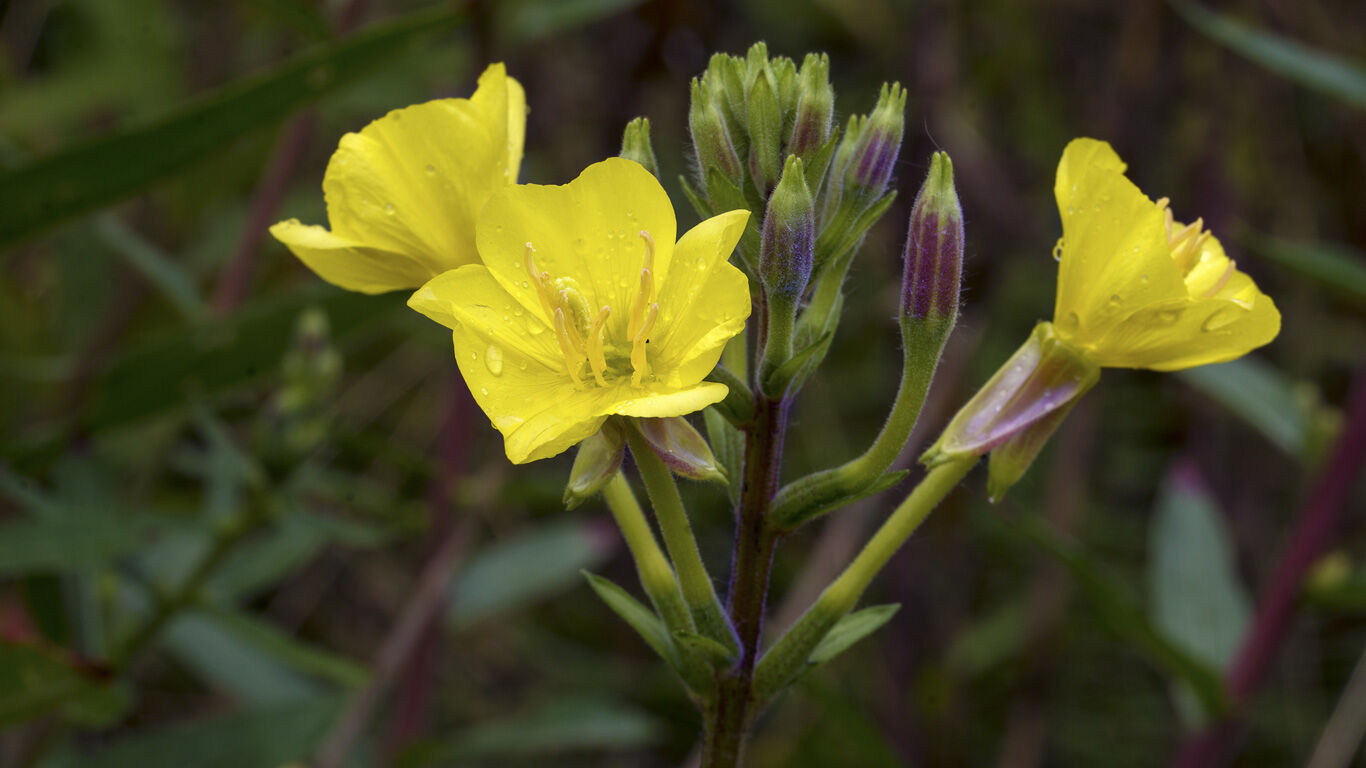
(246, 518)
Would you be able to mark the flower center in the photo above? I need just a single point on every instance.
(582, 333)
(1186, 243)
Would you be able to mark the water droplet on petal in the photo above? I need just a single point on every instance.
(389, 208)
(483, 390)
(493, 359)
(1168, 316)
(1115, 300)
(1057, 250)
(430, 169)
(701, 263)
(1143, 278)
(1221, 317)
(1072, 322)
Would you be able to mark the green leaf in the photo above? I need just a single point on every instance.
(1338, 268)
(83, 178)
(800, 516)
(1343, 80)
(1195, 598)
(35, 681)
(168, 277)
(716, 654)
(643, 620)
(728, 444)
(284, 648)
(530, 20)
(794, 372)
(522, 570)
(1260, 395)
(851, 629)
(274, 735)
(576, 724)
(227, 663)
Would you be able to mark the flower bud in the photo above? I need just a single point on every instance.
(765, 135)
(879, 141)
(815, 106)
(595, 464)
(933, 254)
(682, 448)
(711, 139)
(785, 85)
(1015, 413)
(724, 81)
(635, 144)
(787, 250)
(839, 166)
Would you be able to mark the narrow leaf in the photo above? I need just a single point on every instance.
(1260, 395)
(1336, 267)
(851, 629)
(643, 620)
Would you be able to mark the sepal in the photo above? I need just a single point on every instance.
(682, 448)
(597, 461)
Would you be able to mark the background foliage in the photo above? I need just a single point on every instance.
(237, 505)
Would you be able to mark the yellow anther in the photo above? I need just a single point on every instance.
(1223, 279)
(597, 359)
(640, 366)
(541, 280)
(645, 296)
(573, 352)
(649, 249)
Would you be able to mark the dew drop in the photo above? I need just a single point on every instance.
(1115, 300)
(1168, 316)
(493, 360)
(483, 390)
(702, 263)
(1072, 322)
(1057, 250)
(389, 208)
(430, 169)
(526, 284)
(474, 355)
(1143, 278)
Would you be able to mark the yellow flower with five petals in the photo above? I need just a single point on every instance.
(584, 307)
(1136, 288)
(404, 193)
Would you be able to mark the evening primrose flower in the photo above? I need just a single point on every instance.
(1136, 289)
(403, 194)
(584, 307)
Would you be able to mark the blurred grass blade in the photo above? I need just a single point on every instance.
(1338, 268)
(276, 735)
(1260, 395)
(226, 663)
(1322, 72)
(524, 569)
(72, 182)
(288, 650)
(560, 726)
(1194, 594)
(534, 19)
(149, 261)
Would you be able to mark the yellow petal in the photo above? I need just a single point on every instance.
(350, 265)
(662, 403)
(705, 300)
(413, 182)
(1186, 333)
(587, 229)
(1114, 256)
(469, 297)
(538, 411)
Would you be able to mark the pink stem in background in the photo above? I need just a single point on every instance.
(1318, 523)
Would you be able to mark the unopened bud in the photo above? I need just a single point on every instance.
(724, 82)
(878, 144)
(711, 138)
(839, 166)
(635, 144)
(765, 135)
(814, 108)
(595, 464)
(1015, 413)
(785, 85)
(787, 250)
(682, 449)
(934, 247)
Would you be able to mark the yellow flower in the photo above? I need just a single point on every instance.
(584, 307)
(404, 193)
(1137, 289)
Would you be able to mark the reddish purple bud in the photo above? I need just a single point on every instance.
(933, 255)
(878, 144)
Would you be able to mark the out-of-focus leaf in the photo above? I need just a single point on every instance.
(268, 736)
(305, 17)
(571, 725)
(1336, 267)
(532, 566)
(80, 179)
(202, 362)
(531, 19)
(35, 681)
(643, 620)
(1327, 74)
(67, 543)
(1260, 395)
(995, 638)
(1194, 595)
(284, 648)
(229, 664)
(1118, 610)
(164, 274)
(851, 629)
(295, 539)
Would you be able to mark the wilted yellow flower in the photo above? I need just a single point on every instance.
(1136, 288)
(584, 307)
(403, 194)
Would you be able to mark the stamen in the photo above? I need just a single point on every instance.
(597, 359)
(641, 304)
(573, 353)
(1223, 279)
(640, 366)
(542, 282)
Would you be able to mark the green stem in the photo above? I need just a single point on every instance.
(168, 607)
(803, 500)
(728, 719)
(782, 317)
(656, 575)
(693, 578)
(788, 656)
